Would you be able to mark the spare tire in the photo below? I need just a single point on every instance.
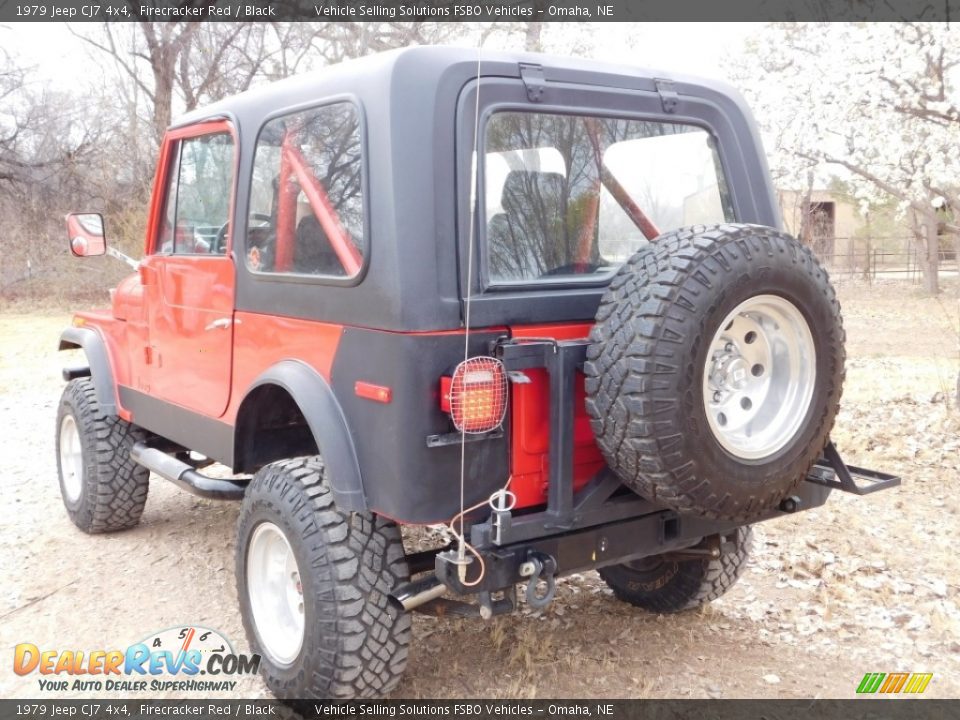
(715, 369)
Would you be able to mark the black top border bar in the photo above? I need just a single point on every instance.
(12, 11)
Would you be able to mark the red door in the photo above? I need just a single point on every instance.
(188, 274)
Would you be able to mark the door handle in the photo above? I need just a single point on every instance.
(220, 324)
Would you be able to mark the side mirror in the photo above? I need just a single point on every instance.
(85, 234)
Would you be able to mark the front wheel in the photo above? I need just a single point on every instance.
(313, 584)
(103, 489)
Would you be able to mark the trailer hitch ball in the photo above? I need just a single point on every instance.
(540, 567)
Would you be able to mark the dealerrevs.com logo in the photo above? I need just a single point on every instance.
(183, 659)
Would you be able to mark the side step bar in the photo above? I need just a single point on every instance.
(844, 477)
(181, 474)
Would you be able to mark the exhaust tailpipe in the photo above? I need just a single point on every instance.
(414, 594)
(184, 476)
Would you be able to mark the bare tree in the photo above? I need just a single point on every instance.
(181, 65)
(11, 83)
(42, 134)
(94, 148)
(172, 61)
(48, 146)
(341, 41)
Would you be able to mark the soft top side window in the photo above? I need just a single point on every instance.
(572, 197)
(306, 195)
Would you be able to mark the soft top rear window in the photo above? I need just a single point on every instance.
(571, 197)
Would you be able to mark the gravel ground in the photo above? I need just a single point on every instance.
(861, 585)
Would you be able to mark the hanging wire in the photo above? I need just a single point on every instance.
(464, 546)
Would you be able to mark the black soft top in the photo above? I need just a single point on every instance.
(417, 106)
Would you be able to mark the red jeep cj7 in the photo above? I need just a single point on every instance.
(539, 300)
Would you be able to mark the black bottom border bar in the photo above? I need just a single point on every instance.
(893, 707)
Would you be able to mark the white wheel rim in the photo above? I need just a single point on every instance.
(276, 594)
(759, 377)
(71, 459)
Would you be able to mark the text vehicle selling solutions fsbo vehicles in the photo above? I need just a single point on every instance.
(543, 301)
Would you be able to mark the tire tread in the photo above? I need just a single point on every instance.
(695, 583)
(651, 315)
(361, 649)
(115, 487)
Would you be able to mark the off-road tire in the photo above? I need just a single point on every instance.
(645, 366)
(671, 586)
(354, 643)
(113, 488)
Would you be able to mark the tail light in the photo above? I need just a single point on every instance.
(477, 395)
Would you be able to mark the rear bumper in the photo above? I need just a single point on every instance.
(604, 523)
(608, 525)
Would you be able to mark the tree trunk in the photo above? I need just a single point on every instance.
(533, 41)
(930, 251)
(162, 103)
(956, 256)
(869, 242)
(803, 232)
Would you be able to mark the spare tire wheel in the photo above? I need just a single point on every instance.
(715, 369)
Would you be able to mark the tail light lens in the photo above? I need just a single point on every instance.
(477, 396)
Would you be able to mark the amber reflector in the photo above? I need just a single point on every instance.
(377, 393)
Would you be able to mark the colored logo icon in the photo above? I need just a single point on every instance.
(896, 683)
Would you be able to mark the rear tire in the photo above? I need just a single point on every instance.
(313, 584)
(670, 586)
(715, 370)
(102, 488)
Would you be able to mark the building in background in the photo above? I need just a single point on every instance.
(824, 220)
(847, 240)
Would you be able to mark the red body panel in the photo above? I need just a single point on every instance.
(114, 334)
(189, 304)
(530, 423)
(127, 299)
(264, 340)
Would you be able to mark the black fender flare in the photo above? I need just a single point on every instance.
(325, 418)
(101, 372)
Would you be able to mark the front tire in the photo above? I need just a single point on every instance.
(313, 585)
(671, 586)
(102, 488)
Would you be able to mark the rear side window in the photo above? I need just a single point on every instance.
(571, 197)
(306, 197)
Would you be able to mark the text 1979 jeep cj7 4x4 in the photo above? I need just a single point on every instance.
(540, 300)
